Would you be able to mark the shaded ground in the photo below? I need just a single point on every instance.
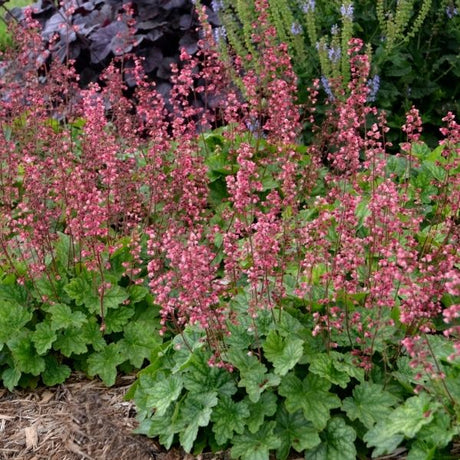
(83, 420)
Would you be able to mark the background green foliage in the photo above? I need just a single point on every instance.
(414, 48)
(5, 36)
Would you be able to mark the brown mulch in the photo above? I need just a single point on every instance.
(80, 420)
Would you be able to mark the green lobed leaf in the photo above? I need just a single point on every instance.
(78, 289)
(84, 291)
(420, 450)
(63, 317)
(345, 362)
(370, 403)
(416, 412)
(239, 337)
(92, 335)
(137, 293)
(283, 352)
(104, 363)
(51, 288)
(117, 318)
(63, 251)
(324, 365)
(404, 421)
(12, 292)
(43, 337)
(338, 443)
(200, 377)
(264, 407)
(311, 395)
(253, 374)
(228, 417)
(71, 341)
(440, 431)
(162, 426)
(295, 431)
(256, 446)
(160, 390)
(185, 345)
(25, 357)
(288, 325)
(10, 377)
(55, 372)
(13, 318)
(195, 412)
(139, 339)
(114, 297)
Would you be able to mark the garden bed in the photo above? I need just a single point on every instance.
(83, 419)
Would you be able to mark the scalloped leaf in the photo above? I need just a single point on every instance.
(13, 318)
(55, 372)
(200, 377)
(253, 374)
(139, 339)
(24, 355)
(63, 317)
(104, 363)
(283, 352)
(370, 403)
(264, 407)
(311, 395)
(117, 318)
(324, 365)
(229, 417)
(338, 444)
(294, 431)
(160, 390)
(404, 421)
(10, 377)
(195, 412)
(71, 341)
(43, 337)
(256, 446)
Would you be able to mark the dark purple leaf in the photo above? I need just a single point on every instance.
(170, 4)
(185, 21)
(84, 26)
(164, 69)
(165, 90)
(148, 25)
(85, 8)
(112, 38)
(146, 10)
(188, 41)
(154, 35)
(153, 58)
(59, 24)
(44, 6)
(213, 17)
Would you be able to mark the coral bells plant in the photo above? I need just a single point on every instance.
(277, 297)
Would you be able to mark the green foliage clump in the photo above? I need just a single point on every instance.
(60, 322)
(286, 393)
